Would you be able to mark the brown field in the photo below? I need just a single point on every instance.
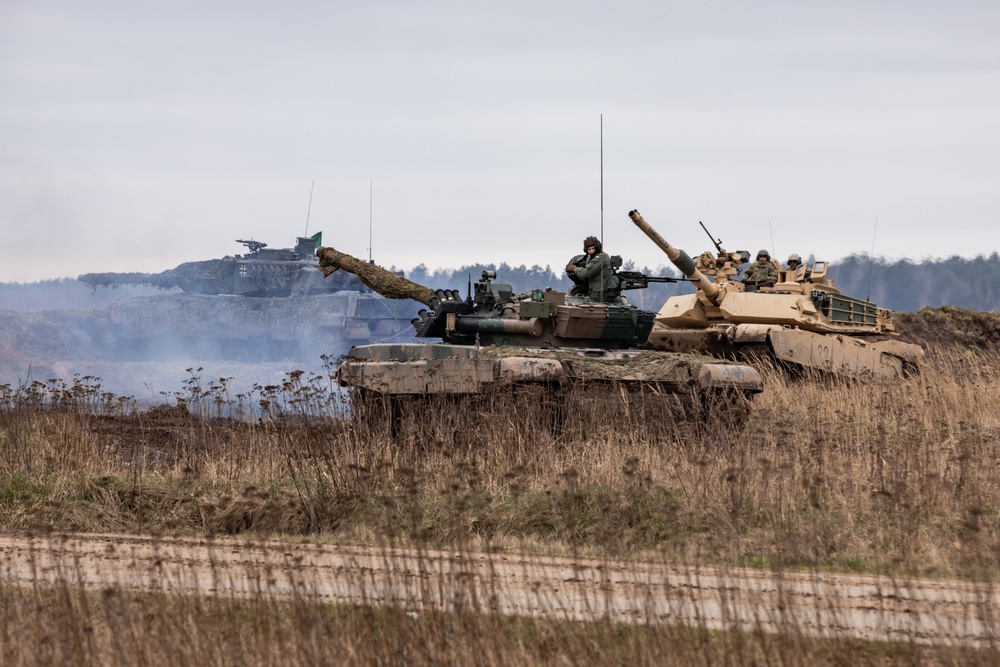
(827, 475)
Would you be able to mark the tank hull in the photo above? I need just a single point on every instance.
(427, 368)
(439, 390)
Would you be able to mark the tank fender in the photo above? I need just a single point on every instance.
(730, 376)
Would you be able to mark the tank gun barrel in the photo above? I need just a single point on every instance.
(677, 257)
(162, 280)
(386, 283)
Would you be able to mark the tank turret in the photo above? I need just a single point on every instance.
(491, 314)
(801, 319)
(267, 303)
(260, 272)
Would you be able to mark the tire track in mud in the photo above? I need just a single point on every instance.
(814, 604)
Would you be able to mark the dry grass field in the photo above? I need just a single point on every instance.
(828, 475)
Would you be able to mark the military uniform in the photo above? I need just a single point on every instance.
(762, 271)
(793, 264)
(596, 272)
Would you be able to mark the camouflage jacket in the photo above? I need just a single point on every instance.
(602, 285)
(762, 272)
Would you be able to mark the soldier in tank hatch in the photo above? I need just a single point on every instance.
(793, 264)
(763, 271)
(592, 273)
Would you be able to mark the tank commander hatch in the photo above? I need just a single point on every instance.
(592, 274)
(761, 272)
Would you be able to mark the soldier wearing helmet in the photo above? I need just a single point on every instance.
(592, 273)
(761, 272)
(793, 264)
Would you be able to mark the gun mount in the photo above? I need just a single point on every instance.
(494, 339)
(803, 320)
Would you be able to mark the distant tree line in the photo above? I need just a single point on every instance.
(906, 286)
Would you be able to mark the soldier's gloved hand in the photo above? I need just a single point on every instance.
(570, 268)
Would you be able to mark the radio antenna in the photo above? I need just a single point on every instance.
(871, 261)
(774, 251)
(371, 189)
(602, 179)
(309, 209)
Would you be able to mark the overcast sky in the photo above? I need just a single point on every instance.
(135, 136)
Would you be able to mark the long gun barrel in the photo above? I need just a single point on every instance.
(163, 280)
(678, 258)
(386, 283)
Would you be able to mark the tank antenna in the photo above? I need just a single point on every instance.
(774, 251)
(602, 179)
(309, 209)
(871, 261)
(371, 190)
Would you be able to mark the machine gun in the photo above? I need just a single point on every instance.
(716, 242)
(635, 280)
(252, 246)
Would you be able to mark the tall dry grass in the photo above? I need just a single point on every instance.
(826, 474)
(67, 625)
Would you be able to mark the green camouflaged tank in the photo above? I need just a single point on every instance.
(495, 340)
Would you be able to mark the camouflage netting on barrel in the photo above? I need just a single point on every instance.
(386, 283)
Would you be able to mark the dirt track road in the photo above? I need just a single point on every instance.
(864, 607)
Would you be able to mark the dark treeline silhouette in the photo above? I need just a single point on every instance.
(906, 286)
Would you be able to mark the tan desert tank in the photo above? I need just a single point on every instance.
(800, 320)
(540, 345)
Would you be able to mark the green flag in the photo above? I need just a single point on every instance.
(317, 238)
